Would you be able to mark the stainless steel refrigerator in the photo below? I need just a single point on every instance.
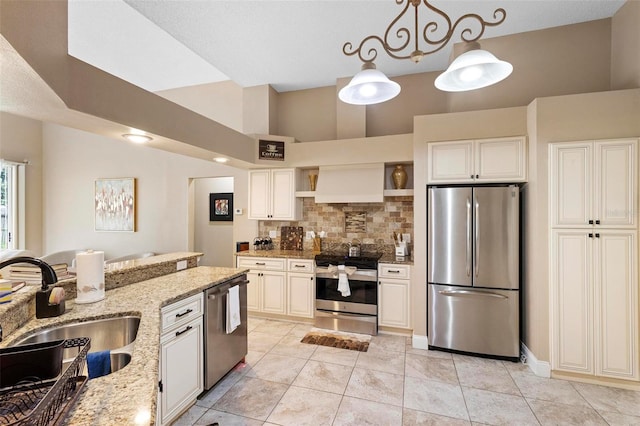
(473, 270)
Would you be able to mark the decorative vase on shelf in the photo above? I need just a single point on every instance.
(313, 179)
(399, 176)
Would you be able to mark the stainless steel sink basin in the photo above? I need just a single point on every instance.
(114, 334)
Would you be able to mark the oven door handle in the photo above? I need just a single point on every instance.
(343, 314)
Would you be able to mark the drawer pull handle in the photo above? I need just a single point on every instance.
(394, 271)
(181, 314)
(298, 266)
(260, 263)
(183, 331)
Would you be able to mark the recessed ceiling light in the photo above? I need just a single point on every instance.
(220, 159)
(137, 138)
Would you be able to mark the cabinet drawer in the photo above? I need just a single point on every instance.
(300, 265)
(181, 312)
(394, 271)
(261, 263)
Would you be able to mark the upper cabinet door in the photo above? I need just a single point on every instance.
(259, 194)
(500, 160)
(450, 162)
(571, 193)
(283, 189)
(615, 186)
(477, 161)
(594, 184)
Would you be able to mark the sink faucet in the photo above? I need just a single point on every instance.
(44, 309)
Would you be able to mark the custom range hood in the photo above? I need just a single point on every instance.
(360, 183)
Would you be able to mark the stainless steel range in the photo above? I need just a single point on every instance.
(355, 308)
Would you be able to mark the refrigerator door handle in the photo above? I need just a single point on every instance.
(468, 293)
(468, 237)
(476, 251)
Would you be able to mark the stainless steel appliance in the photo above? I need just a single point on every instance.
(223, 351)
(473, 270)
(358, 312)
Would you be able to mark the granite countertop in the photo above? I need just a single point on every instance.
(128, 396)
(309, 254)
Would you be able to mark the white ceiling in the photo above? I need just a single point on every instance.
(292, 45)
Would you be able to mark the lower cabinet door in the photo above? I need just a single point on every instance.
(181, 369)
(300, 294)
(253, 291)
(273, 292)
(393, 303)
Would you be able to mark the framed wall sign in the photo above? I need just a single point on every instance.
(221, 206)
(270, 150)
(115, 204)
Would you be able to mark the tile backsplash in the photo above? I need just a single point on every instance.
(395, 214)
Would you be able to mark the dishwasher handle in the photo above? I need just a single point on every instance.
(214, 292)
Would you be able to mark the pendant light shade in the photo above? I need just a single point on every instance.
(472, 70)
(369, 87)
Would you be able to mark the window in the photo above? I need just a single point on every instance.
(8, 205)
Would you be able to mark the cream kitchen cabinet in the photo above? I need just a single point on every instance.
(272, 195)
(300, 288)
(595, 302)
(394, 292)
(483, 160)
(594, 184)
(266, 291)
(181, 357)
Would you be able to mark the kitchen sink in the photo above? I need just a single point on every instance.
(114, 334)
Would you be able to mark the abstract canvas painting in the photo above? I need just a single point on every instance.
(115, 204)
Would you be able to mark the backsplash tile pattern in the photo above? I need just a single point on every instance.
(382, 219)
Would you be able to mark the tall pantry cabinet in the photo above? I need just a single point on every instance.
(594, 258)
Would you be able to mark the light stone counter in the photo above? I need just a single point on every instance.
(128, 396)
(291, 254)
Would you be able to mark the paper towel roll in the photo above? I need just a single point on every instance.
(90, 276)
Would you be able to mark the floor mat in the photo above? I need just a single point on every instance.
(337, 339)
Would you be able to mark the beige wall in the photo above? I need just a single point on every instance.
(221, 101)
(20, 140)
(625, 52)
(73, 159)
(308, 115)
(443, 127)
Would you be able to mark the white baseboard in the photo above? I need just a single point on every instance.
(539, 368)
(420, 342)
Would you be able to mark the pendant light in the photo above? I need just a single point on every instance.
(401, 40)
(369, 87)
(473, 69)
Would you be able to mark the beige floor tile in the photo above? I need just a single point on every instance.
(277, 368)
(549, 413)
(290, 345)
(426, 352)
(356, 412)
(424, 367)
(225, 419)
(252, 398)
(434, 397)
(617, 419)
(390, 362)
(553, 390)
(324, 376)
(301, 329)
(219, 389)
(388, 342)
(262, 342)
(281, 328)
(253, 322)
(376, 386)
(497, 408)
(517, 367)
(335, 355)
(253, 357)
(420, 418)
(300, 407)
(191, 416)
(482, 373)
(614, 400)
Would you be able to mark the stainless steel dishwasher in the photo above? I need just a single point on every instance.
(223, 351)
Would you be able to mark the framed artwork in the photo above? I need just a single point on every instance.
(115, 204)
(221, 206)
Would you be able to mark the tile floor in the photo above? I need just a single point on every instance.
(285, 382)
